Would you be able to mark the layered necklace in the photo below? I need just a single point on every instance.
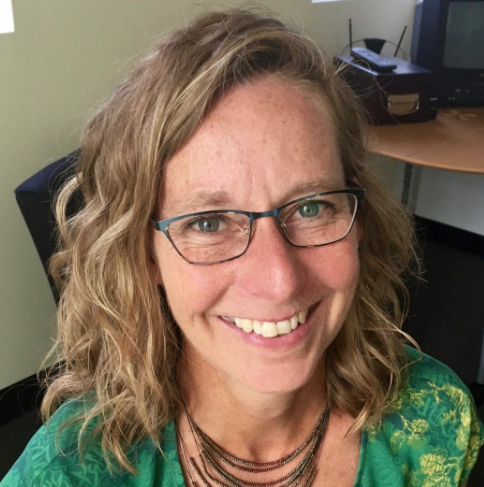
(216, 467)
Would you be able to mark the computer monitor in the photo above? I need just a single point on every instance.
(448, 38)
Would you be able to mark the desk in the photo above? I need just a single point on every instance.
(453, 141)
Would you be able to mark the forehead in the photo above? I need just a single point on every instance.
(262, 144)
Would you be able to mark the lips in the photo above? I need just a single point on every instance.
(270, 329)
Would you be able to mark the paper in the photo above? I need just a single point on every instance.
(6, 17)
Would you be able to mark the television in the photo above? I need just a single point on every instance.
(448, 39)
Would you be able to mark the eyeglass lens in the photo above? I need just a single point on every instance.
(220, 236)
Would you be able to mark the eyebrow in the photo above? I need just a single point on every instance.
(319, 185)
(200, 201)
(203, 200)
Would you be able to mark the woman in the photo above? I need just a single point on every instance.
(230, 310)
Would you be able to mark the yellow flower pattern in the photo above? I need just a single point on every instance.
(431, 435)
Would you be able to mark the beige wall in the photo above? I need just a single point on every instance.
(64, 56)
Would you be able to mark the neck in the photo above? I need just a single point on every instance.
(256, 426)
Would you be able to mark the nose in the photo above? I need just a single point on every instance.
(270, 269)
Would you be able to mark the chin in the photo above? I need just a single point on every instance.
(280, 379)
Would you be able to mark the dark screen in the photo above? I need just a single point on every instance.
(464, 42)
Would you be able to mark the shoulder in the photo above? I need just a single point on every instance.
(52, 458)
(51, 452)
(425, 371)
(431, 431)
(434, 392)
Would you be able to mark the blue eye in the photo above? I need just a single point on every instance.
(309, 209)
(207, 225)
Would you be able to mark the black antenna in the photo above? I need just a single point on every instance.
(400, 41)
(351, 33)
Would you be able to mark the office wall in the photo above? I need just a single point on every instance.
(452, 198)
(448, 197)
(63, 57)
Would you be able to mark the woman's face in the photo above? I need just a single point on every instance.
(263, 145)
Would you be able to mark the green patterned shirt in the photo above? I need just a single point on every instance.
(431, 439)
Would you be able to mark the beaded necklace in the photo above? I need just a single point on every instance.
(214, 461)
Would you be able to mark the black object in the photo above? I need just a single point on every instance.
(350, 33)
(35, 198)
(399, 96)
(400, 41)
(453, 266)
(448, 39)
(379, 63)
(374, 44)
(477, 391)
(23, 397)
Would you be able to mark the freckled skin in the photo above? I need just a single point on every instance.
(259, 141)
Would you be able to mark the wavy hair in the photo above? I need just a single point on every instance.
(116, 339)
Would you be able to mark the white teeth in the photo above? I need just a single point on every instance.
(270, 329)
(247, 325)
(301, 316)
(283, 327)
(257, 327)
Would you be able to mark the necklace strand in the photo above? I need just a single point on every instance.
(184, 451)
(282, 461)
(294, 473)
(299, 470)
(207, 446)
(226, 457)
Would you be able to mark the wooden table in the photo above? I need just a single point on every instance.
(453, 141)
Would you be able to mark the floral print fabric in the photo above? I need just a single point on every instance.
(431, 438)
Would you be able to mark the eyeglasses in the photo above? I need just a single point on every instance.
(212, 237)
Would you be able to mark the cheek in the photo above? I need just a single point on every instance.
(191, 290)
(341, 273)
(336, 269)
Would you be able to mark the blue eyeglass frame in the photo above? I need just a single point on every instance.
(162, 225)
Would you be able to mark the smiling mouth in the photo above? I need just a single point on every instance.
(270, 329)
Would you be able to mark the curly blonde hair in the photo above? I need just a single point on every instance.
(116, 340)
